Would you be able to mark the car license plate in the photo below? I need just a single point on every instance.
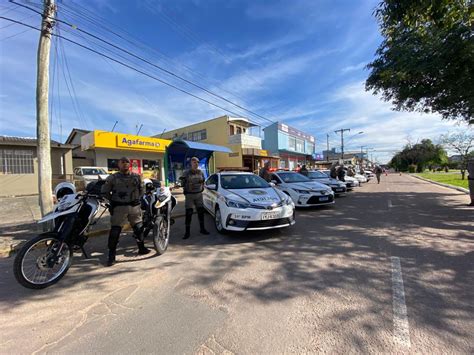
(270, 215)
(339, 190)
(324, 198)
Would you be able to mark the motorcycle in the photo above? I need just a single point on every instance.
(157, 204)
(45, 259)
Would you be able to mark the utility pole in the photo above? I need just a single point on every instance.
(327, 144)
(342, 130)
(361, 156)
(42, 120)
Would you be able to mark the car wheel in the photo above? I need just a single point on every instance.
(218, 221)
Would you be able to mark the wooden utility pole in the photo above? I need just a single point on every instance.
(327, 146)
(342, 130)
(42, 114)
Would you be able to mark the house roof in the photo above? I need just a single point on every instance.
(29, 141)
(74, 131)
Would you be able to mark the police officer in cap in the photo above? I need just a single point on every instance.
(124, 189)
(193, 186)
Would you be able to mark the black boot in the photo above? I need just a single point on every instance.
(112, 244)
(200, 212)
(138, 233)
(142, 249)
(189, 218)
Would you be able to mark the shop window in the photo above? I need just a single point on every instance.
(232, 130)
(151, 165)
(16, 161)
(112, 165)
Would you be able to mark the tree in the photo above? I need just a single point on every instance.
(426, 60)
(420, 155)
(462, 143)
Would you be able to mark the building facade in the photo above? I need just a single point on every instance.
(293, 146)
(19, 165)
(230, 132)
(146, 154)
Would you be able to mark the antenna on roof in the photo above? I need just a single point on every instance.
(161, 135)
(114, 126)
(140, 129)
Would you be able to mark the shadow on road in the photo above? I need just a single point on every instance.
(331, 252)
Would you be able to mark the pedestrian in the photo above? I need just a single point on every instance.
(124, 190)
(378, 172)
(304, 171)
(264, 172)
(341, 173)
(193, 186)
(333, 171)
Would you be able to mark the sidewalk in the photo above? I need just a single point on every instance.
(19, 216)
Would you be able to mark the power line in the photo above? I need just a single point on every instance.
(154, 65)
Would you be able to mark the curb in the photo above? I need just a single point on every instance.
(461, 189)
(9, 251)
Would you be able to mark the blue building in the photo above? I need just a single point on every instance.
(292, 145)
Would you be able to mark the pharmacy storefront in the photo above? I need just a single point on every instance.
(146, 154)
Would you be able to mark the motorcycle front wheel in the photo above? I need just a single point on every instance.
(42, 262)
(161, 235)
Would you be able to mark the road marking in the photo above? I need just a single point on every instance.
(390, 204)
(401, 329)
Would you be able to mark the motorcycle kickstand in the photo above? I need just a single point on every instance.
(86, 256)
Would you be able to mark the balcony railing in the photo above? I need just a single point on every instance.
(246, 141)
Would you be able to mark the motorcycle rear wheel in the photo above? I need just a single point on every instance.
(161, 235)
(36, 265)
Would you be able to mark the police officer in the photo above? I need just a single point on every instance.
(124, 189)
(193, 186)
(264, 172)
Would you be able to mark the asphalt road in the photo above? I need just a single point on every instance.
(389, 268)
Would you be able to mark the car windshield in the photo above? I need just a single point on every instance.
(93, 171)
(317, 175)
(293, 177)
(247, 181)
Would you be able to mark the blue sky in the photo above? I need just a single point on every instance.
(301, 62)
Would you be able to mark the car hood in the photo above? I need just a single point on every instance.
(313, 185)
(257, 196)
(95, 177)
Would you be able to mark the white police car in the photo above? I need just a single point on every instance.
(303, 191)
(338, 187)
(243, 201)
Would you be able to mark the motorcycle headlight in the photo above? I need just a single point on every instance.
(301, 191)
(236, 204)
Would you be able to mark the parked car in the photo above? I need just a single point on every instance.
(369, 174)
(361, 178)
(350, 181)
(83, 175)
(241, 201)
(338, 187)
(303, 191)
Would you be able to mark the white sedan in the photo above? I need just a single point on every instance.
(303, 191)
(243, 201)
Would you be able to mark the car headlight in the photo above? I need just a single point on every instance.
(236, 204)
(301, 191)
(288, 200)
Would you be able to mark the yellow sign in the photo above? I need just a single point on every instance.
(263, 153)
(111, 140)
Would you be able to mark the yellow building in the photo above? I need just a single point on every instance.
(146, 154)
(231, 132)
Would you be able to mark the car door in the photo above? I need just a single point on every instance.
(210, 196)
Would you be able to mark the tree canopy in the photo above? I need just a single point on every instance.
(426, 60)
(420, 155)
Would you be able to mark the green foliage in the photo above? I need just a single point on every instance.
(454, 179)
(418, 156)
(426, 60)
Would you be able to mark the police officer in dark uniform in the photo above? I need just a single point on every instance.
(124, 189)
(193, 186)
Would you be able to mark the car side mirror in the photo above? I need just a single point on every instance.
(212, 187)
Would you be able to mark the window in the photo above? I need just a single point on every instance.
(197, 135)
(151, 165)
(296, 144)
(16, 161)
(299, 145)
(291, 143)
(232, 130)
(112, 164)
(239, 130)
(212, 180)
(247, 181)
(310, 148)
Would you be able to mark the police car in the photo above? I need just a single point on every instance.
(241, 201)
(303, 191)
(338, 187)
